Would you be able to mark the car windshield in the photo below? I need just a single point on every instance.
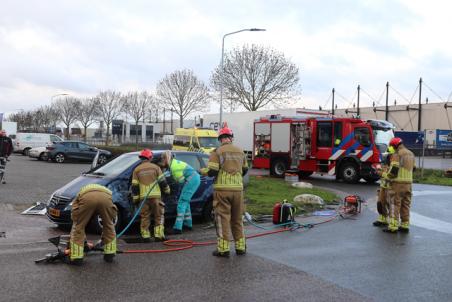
(117, 165)
(208, 142)
(382, 138)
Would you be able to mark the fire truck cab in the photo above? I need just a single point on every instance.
(344, 147)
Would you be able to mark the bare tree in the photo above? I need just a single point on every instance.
(24, 120)
(68, 109)
(255, 77)
(88, 111)
(183, 92)
(110, 107)
(50, 117)
(137, 104)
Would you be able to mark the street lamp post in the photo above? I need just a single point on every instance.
(51, 99)
(222, 70)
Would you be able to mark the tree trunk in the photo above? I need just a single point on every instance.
(181, 121)
(136, 136)
(67, 132)
(85, 133)
(107, 140)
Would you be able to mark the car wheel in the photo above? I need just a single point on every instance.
(60, 158)
(102, 159)
(43, 156)
(207, 212)
(26, 152)
(95, 224)
(349, 173)
(278, 167)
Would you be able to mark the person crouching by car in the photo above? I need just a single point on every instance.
(92, 200)
(147, 182)
(185, 175)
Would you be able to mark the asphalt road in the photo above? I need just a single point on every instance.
(345, 260)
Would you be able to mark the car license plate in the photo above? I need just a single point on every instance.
(54, 212)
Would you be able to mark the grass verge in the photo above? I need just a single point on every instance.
(263, 192)
(432, 176)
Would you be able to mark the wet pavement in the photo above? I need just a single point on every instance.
(345, 260)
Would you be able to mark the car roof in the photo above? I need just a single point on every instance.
(159, 152)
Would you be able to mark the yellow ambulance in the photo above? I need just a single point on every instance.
(195, 139)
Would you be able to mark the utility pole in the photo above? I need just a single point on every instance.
(357, 109)
(420, 106)
(332, 107)
(387, 99)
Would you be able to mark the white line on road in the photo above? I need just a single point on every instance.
(430, 223)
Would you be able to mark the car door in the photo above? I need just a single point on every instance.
(71, 150)
(86, 152)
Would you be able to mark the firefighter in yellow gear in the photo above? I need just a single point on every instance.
(383, 191)
(401, 177)
(92, 200)
(147, 182)
(228, 164)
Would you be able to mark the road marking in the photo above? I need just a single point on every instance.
(423, 193)
(430, 223)
(425, 222)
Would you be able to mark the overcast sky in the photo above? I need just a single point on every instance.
(81, 47)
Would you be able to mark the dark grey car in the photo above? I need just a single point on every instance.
(61, 151)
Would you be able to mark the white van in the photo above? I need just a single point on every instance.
(25, 141)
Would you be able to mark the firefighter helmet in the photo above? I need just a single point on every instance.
(225, 131)
(145, 154)
(395, 142)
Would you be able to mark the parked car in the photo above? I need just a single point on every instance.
(117, 176)
(61, 151)
(40, 153)
(26, 141)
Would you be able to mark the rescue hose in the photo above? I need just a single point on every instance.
(137, 211)
(183, 244)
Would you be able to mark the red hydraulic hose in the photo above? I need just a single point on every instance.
(182, 244)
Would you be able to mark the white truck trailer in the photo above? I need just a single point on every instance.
(242, 123)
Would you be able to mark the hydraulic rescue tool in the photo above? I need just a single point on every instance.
(62, 253)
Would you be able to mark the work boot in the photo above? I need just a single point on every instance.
(3, 181)
(109, 258)
(392, 227)
(240, 252)
(146, 240)
(404, 227)
(160, 239)
(404, 230)
(216, 253)
(391, 231)
(187, 228)
(76, 262)
(378, 223)
(381, 221)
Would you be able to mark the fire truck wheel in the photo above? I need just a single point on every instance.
(349, 173)
(278, 167)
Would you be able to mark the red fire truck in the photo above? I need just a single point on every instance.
(349, 148)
